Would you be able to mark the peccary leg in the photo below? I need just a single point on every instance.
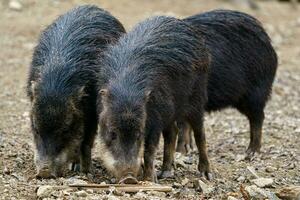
(199, 134)
(253, 108)
(169, 149)
(151, 145)
(256, 123)
(184, 144)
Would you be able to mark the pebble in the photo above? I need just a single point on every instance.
(231, 198)
(118, 193)
(270, 169)
(15, 5)
(185, 181)
(140, 195)
(179, 160)
(257, 193)
(262, 182)
(90, 191)
(297, 130)
(67, 192)
(81, 193)
(241, 179)
(188, 160)
(252, 171)
(176, 185)
(240, 157)
(74, 180)
(6, 170)
(157, 194)
(112, 197)
(203, 187)
(44, 191)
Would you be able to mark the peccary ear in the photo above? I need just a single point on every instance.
(104, 97)
(103, 92)
(33, 88)
(148, 95)
(81, 93)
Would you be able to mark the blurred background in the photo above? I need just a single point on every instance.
(21, 21)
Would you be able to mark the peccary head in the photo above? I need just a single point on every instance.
(57, 126)
(122, 131)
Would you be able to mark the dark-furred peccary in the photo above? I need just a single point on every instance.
(150, 78)
(242, 70)
(62, 87)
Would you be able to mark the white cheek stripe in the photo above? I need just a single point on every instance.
(62, 157)
(141, 154)
(107, 157)
(36, 156)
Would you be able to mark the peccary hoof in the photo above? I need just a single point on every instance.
(44, 174)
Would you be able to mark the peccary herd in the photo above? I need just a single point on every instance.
(88, 75)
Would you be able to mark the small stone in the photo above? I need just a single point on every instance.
(188, 160)
(240, 157)
(185, 181)
(176, 185)
(118, 193)
(179, 160)
(252, 171)
(6, 170)
(256, 192)
(44, 191)
(297, 130)
(81, 193)
(112, 197)
(67, 192)
(113, 180)
(15, 5)
(157, 194)
(90, 191)
(203, 187)
(25, 114)
(241, 179)
(140, 195)
(262, 182)
(75, 180)
(291, 166)
(270, 169)
(231, 198)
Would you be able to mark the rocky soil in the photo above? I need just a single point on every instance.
(276, 167)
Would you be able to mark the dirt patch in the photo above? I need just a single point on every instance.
(227, 131)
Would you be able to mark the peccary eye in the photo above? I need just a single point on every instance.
(139, 135)
(113, 135)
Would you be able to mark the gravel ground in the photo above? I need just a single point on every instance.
(227, 132)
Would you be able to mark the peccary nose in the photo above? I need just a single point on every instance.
(45, 173)
(128, 179)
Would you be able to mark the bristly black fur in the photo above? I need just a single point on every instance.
(243, 61)
(243, 66)
(162, 55)
(62, 83)
(68, 50)
(155, 53)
